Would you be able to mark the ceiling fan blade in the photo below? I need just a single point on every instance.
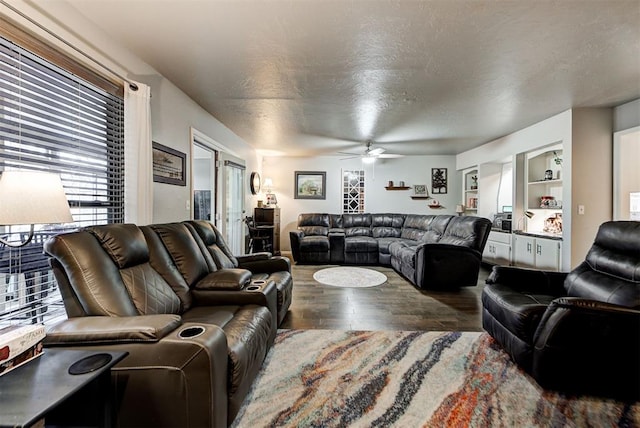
(390, 156)
(376, 151)
(350, 157)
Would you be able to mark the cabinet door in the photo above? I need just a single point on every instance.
(548, 254)
(523, 251)
(502, 253)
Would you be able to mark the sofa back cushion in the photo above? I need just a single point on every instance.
(91, 275)
(214, 244)
(467, 231)
(611, 270)
(183, 250)
(314, 224)
(335, 221)
(127, 247)
(162, 262)
(356, 224)
(386, 225)
(419, 228)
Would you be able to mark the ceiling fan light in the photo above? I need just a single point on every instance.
(368, 159)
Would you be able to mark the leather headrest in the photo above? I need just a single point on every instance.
(124, 243)
(615, 250)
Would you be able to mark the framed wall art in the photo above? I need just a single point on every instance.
(420, 190)
(310, 185)
(169, 165)
(438, 181)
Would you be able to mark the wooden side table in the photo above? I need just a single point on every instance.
(43, 388)
(269, 217)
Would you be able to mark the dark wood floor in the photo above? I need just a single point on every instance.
(394, 305)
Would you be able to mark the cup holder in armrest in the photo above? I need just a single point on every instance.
(191, 332)
(256, 285)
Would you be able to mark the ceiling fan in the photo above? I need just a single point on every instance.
(370, 154)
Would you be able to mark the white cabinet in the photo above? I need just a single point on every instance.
(498, 248)
(537, 252)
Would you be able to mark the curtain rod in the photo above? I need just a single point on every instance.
(132, 85)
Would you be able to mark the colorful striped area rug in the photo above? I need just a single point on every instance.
(330, 378)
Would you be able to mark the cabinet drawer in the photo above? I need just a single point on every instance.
(502, 237)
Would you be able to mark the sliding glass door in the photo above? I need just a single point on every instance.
(233, 202)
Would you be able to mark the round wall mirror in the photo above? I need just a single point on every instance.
(255, 183)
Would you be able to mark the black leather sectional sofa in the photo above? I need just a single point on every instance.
(431, 251)
(196, 321)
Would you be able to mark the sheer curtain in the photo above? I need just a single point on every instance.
(138, 184)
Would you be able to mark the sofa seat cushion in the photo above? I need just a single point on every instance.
(360, 244)
(404, 251)
(518, 312)
(383, 244)
(314, 244)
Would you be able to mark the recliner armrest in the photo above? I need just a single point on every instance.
(105, 329)
(245, 258)
(270, 265)
(589, 347)
(224, 279)
(443, 266)
(522, 279)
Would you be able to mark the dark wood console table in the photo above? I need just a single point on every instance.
(269, 217)
(43, 388)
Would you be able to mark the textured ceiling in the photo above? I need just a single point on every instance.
(416, 77)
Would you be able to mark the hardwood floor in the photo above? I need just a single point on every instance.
(394, 305)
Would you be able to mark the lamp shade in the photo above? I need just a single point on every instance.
(268, 183)
(459, 209)
(28, 197)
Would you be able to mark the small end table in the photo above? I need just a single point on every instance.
(43, 388)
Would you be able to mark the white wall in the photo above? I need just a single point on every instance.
(412, 170)
(592, 177)
(172, 111)
(626, 116)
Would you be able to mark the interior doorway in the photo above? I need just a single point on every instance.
(204, 182)
(626, 175)
(218, 188)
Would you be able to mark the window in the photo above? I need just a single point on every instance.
(51, 120)
(353, 192)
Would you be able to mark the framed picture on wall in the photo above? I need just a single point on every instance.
(310, 185)
(438, 181)
(169, 165)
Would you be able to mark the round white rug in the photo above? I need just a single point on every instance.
(346, 276)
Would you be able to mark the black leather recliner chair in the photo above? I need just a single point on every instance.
(577, 332)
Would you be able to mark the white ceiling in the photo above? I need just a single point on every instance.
(417, 77)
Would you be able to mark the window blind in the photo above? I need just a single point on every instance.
(51, 120)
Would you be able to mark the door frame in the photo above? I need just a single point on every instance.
(222, 152)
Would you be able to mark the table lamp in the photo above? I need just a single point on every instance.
(29, 198)
(459, 209)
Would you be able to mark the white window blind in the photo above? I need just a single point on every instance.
(51, 120)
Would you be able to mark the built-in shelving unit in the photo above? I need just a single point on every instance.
(470, 190)
(544, 190)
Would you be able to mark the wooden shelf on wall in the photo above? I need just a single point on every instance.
(397, 187)
(420, 197)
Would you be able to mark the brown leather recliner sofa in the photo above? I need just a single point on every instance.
(431, 251)
(196, 321)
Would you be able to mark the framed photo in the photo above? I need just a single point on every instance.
(420, 190)
(169, 165)
(310, 185)
(438, 181)
(271, 199)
